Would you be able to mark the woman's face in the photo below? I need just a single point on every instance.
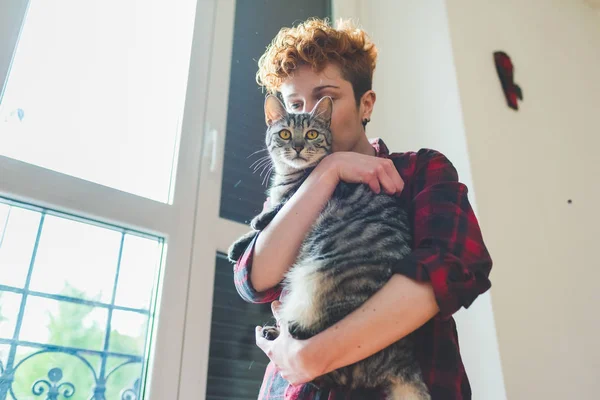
(306, 87)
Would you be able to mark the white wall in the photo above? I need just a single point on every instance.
(526, 165)
(418, 106)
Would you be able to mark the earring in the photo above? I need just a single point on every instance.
(365, 121)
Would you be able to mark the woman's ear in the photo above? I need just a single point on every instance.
(367, 102)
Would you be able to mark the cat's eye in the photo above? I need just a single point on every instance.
(285, 134)
(310, 135)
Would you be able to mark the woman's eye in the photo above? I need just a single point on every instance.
(310, 135)
(285, 134)
(295, 106)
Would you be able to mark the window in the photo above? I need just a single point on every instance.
(111, 94)
(96, 91)
(102, 109)
(76, 304)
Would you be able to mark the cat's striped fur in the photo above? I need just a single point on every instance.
(345, 258)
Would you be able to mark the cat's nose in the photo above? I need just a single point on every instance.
(298, 149)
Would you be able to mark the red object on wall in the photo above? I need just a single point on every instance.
(505, 69)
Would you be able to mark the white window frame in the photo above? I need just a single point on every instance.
(191, 225)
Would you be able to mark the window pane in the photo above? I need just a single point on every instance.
(4, 350)
(9, 310)
(96, 91)
(68, 327)
(128, 332)
(75, 259)
(18, 230)
(67, 324)
(138, 266)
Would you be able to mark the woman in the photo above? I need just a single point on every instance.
(448, 267)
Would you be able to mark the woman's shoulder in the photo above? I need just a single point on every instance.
(422, 162)
(421, 156)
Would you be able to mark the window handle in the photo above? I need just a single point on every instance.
(213, 137)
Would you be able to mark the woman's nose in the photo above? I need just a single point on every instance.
(308, 107)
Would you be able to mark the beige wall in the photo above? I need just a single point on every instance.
(526, 165)
(418, 106)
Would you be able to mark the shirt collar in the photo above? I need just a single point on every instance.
(381, 150)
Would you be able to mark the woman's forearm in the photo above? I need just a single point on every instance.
(278, 244)
(399, 308)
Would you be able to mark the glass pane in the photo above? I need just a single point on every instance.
(68, 328)
(138, 269)
(106, 105)
(9, 310)
(64, 324)
(4, 350)
(75, 259)
(128, 332)
(18, 230)
(243, 192)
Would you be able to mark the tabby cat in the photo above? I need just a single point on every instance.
(345, 258)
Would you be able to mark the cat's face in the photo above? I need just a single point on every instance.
(297, 141)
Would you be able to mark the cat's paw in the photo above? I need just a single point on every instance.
(270, 332)
(237, 249)
(297, 332)
(263, 219)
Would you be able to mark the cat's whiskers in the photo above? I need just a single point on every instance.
(264, 168)
(260, 160)
(267, 175)
(257, 151)
(261, 165)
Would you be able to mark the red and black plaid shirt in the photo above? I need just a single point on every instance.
(448, 251)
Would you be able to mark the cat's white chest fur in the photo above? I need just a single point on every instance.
(303, 303)
(277, 193)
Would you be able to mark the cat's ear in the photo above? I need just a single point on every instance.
(274, 110)
(323, 110)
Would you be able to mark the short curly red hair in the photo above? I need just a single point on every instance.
(316, 43)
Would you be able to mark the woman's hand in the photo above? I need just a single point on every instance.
(292, 357)
(378, 173)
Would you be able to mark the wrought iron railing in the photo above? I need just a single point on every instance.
(54, 385)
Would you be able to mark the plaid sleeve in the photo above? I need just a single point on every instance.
(241, 278)
(448, 250)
